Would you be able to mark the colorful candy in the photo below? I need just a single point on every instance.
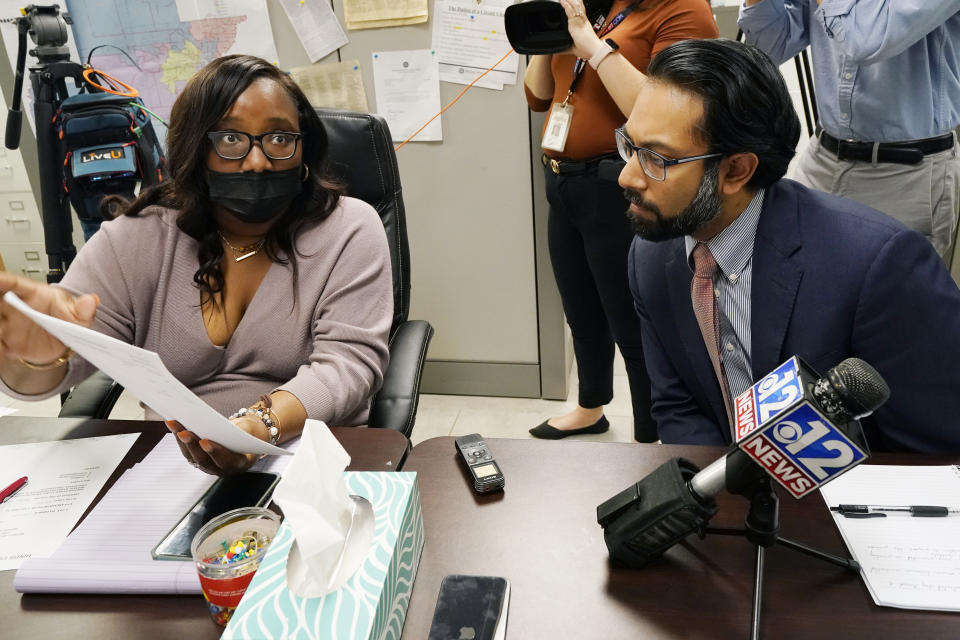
(246, 546)
(227, 552)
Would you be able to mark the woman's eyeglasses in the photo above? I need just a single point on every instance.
(654, 164)
(235, 145)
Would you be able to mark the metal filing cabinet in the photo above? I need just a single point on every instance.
(21, 228)
(21, 231)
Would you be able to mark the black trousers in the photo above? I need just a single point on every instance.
(589, 237)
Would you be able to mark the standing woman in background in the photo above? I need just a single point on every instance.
(589, 91)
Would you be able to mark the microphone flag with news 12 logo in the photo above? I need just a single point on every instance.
(778, 424)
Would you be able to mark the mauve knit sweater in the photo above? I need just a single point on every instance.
(329, 348)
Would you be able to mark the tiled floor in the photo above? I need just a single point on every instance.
(439, 415)
(512, 417)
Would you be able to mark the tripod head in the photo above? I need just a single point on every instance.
(48, 30)
(47, 27)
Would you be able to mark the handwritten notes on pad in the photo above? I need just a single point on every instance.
(907, 562)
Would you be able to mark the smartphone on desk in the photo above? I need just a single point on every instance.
(248, 489)
(471, 608)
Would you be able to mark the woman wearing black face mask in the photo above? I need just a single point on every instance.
(259, 284)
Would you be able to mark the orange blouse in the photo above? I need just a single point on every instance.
(652, 26)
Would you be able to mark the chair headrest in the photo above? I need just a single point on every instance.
(361, 156)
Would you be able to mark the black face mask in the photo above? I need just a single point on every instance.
(255, 197)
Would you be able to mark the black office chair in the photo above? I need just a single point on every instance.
(361, 155)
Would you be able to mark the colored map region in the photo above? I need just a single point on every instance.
(168, 51)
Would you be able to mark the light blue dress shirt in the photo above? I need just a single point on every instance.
(884, 70)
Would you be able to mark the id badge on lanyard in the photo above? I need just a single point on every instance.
(558, 126)
(561, 113)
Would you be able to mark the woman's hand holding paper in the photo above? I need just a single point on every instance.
(20, 337)
(212, 457)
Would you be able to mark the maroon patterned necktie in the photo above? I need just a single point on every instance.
(705, 308)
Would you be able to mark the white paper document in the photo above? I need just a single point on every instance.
(319, 30)
(337, 85)
(143, 374)
(408, 92)
(63, 478)
(110, 551)
(469, 38)
(373, 14)
(189, 10)
(906, 562)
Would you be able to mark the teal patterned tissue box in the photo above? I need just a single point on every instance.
(373, 602)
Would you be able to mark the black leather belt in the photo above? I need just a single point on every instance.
(907, 152)
(574, 167)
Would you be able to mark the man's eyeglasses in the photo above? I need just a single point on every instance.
(654, 164)
(235, 145)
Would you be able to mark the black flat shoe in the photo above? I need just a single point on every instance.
(546, 432)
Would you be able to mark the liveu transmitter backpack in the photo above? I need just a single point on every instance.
(108, 146)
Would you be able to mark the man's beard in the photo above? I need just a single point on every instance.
(704, 207)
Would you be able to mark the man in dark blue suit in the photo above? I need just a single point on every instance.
(781, 270)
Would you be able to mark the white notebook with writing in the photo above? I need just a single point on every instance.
(907, 562)
(109, 552)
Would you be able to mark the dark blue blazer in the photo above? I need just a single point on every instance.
(831, 279)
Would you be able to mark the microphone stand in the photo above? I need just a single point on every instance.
(762, 529)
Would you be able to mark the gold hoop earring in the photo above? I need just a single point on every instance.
(306, 173)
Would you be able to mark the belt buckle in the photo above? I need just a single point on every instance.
(555, 166)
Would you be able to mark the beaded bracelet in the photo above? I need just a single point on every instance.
(266, 415)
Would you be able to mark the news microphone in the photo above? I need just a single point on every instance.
(800, 429)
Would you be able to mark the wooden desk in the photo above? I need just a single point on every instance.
(542, 535)
(35, 616)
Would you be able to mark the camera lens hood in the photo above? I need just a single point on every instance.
(537, 27)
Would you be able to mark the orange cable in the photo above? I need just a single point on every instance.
(129, 93)
(451, 103)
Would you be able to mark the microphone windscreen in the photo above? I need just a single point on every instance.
(858, 386)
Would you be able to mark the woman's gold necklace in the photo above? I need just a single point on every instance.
(242, 253)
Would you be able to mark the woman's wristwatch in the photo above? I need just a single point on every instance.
(605, 48)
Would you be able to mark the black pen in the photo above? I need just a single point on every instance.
(880, 511)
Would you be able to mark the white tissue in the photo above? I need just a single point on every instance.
(318, 508)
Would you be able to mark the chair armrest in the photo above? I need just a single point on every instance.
(395, 405)
(92, 398)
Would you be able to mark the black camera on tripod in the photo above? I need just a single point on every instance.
(537, 27)
(95, 143)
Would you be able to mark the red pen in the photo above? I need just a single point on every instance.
(15, 486)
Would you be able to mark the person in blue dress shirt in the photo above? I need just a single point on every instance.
(887, 77)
